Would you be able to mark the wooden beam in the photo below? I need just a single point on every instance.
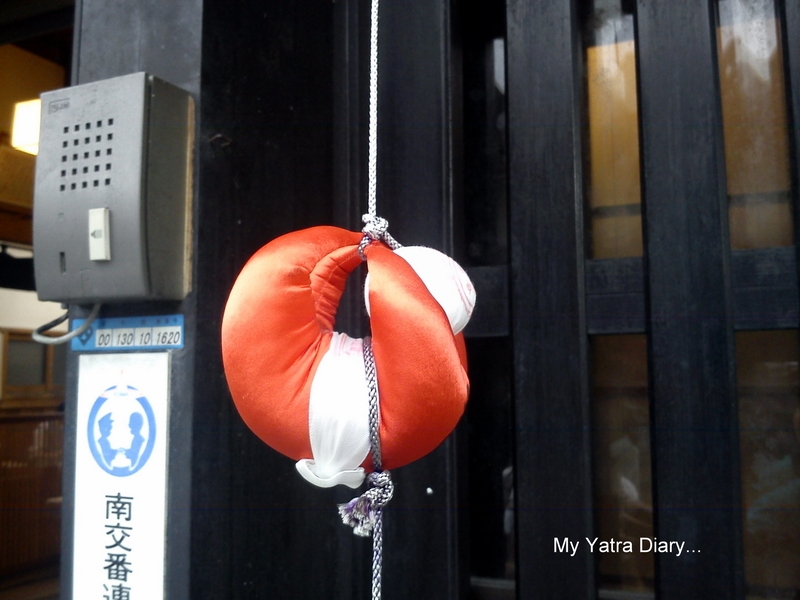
(693, 408)
(548, 308)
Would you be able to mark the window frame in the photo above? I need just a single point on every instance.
(686, 240)
(44, 396)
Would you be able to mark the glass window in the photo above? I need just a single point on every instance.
(611, 132)
(622, 472)
(754, 124)
(485, 201)
(33, 373)
(491, 474)
(769, 424)
(25, 363)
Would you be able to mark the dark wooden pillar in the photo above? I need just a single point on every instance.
(241, 523)
(269, 159)
(790, 19)
(548, 308)
(418, 175)
(693, 409)
(265, 169)
(164, 39)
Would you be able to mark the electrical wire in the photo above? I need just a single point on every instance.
(38, 334)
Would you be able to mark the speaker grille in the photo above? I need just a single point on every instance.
(86, 153)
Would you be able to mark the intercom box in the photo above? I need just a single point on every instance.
(112, 198)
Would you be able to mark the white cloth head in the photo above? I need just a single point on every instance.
(338, 416)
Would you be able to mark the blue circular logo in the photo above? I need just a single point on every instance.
(121, 430)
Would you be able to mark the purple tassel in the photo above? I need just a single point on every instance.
(359, 515)
(362, 513)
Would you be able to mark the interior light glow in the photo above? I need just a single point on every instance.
(25, 131)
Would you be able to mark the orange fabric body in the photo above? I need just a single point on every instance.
(278, 323)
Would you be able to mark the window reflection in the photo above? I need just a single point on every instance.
(754, 124)
(612, 132)
(621, 451)
(755, 127)
(769, 423)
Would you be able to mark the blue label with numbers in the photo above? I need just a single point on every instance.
(130, 333)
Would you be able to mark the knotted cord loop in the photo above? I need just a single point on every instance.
(374, 226)
(375, 229)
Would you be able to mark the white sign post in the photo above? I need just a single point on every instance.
(120, 476)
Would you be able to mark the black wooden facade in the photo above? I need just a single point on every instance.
(281, 97)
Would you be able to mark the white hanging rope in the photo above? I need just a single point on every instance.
(365, 513)
(372, 175)
(375, 227)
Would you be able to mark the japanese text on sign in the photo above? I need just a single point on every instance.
(118, 525)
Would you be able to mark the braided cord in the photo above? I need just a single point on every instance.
(375, 227)
(372, 204)
(374, 405)
(377, 465)
(377, 556)
(365, 513)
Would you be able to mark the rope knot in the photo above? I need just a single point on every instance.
(376, 229)
(382, 489)
(374, 226)
(362, 513)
